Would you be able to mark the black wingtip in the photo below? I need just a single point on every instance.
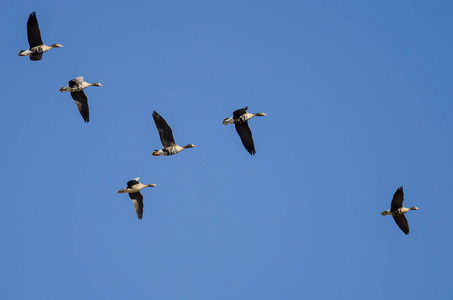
(32, 17)
(86, 118)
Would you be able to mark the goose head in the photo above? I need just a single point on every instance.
(414, 208)
(189, 146)
(386, 212)
(260, 114)
(65, 89)
(56, 46)
(96, 84)
(152, 185)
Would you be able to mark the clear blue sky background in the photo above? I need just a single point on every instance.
(359, 102)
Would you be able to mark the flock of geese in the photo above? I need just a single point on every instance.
(169, 147)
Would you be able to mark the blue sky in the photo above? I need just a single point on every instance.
(358, 96)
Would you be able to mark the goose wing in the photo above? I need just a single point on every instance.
(132, 182)
(245, 134)
(33, 33)
(398, 197)
(401, 221)
(239, 112)
(36, 56)
(76, 82)
(137, 199)
(82, 104)
(165, 132)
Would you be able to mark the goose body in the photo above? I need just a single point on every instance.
(166, 137)
(37, 47)
(397, 210)
(240, 120)
(76, 87)
(133, 189)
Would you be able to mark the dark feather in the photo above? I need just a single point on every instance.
(36, 56)
(239, 112)
(137, 199)
(245, 134)
(33, 33)
(397, 201)
(131, 183)
(401, 221)
(82, 104)
(73, 83)
(165, 132)
(76, 82)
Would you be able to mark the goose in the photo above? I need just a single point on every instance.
(37, 47)
(397, 210)
(133, 189)
(76, 87)
(239, 119)
(166, 137)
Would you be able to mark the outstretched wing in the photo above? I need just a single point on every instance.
(239, 112)
(398, 197)
(76, 82)
(132, 182)
(401, 221)
(82, 104)
(245, 134)
(165, 132)
(36, 56)
(137, 199)
(33, 33)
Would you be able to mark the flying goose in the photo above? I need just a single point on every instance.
(239, 119)
(76, 87)
(166, 137)
(37, 47)
(397, 210)
(133, 189)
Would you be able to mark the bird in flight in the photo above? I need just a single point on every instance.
(76, 87)
(166, 137)
(397, 210)
(133, 189)
(37, 47)
(240, 120)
